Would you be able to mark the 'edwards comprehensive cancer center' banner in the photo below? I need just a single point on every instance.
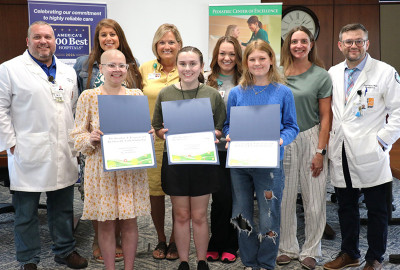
(73, 23)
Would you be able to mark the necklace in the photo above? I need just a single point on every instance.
(255, 92)
(197, 90)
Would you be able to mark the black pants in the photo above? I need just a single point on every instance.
(349, 217)
(223, 234)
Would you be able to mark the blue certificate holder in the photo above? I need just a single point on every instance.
(191, 134)
(255, 134)
(125, 123)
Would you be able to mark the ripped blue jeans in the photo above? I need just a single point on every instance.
(258, 244)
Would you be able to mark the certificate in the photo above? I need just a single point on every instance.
(188, 148)
(191, 135)
(253, 154)
(125, 122)
(127, 151)
(255, 133)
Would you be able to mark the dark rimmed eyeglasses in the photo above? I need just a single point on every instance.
(350, 42)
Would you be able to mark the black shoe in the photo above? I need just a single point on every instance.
(184, 266)
(394, 258)
(202, 265)
(73, 260)
(29, 266)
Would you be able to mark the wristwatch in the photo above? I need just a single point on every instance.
(321, 151)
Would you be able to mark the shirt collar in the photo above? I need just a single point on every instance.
(360, 66)
(48, 70)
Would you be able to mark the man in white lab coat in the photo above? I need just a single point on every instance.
(365, 90)
(38, 94)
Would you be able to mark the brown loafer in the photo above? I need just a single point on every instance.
(73, 260)
(309, 263)
(29, 266)
(372, 265)
(342, 260)
(283, 259)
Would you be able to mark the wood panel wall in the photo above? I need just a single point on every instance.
(13, 28)
(333, 15)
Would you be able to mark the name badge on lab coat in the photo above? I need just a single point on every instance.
(57, 92)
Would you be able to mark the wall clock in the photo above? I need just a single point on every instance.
(296, 16)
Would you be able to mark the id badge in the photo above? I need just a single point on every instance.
(57, 92)
(154, 76)
(359, 108)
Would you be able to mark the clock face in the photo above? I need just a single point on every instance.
(296, 18)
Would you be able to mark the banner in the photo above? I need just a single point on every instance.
(73, 23)
(238, 21)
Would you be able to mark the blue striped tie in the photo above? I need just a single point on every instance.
(350, 82)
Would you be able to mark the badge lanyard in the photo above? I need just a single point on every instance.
(57, 91)
(360, 106)
(154, 75)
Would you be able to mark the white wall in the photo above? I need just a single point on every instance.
(141, 18)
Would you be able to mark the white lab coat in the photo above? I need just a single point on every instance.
(368, 164)
(37, 125)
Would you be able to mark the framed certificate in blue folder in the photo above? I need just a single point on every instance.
(125, 122)
(191, 135)
(255, 133)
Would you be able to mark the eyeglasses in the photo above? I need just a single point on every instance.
(114, 66)
(350, 42)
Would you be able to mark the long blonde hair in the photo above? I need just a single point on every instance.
(274, 75)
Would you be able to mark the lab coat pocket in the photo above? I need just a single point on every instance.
(33, 148)
(364, 149)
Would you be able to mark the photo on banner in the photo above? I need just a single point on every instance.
(74, 25)
(246, 22)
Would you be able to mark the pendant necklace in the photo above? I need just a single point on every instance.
(255, 92)
(197, 90)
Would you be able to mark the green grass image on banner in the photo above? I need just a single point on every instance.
(142, 160)
(209, 156)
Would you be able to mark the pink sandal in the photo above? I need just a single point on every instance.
(227, 257)
(212, 256)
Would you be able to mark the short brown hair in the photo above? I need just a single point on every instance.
(353, 27)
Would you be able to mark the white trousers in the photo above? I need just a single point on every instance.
(297, 163)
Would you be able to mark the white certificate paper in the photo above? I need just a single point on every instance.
(253, 154)
(192, 148)
(128, 151)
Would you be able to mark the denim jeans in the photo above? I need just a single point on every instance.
(258, 245)
(59, 218)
